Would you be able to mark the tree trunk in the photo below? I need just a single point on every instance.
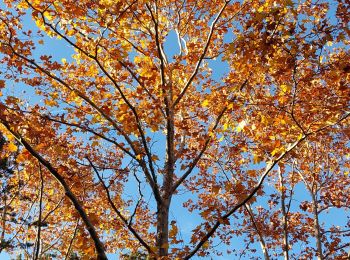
(37, 247)
(284, 217)
(3, 224)
(163, 228)
(162, 242)
(317, 228)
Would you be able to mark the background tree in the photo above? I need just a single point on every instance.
(292, 220)
(7, 214)
(134, 116)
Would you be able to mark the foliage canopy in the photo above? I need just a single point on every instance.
(112, 110)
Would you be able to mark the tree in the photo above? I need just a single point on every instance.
(280, 224)
(127, 126)
(8, 192)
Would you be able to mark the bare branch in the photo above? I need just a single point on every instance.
(206, 47)
(138, 201)
(71, 241)
(120, 215)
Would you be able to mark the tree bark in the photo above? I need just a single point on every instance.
(163, 207)
(284, 217)
(162, 242)
(3, 224)
(163, 228)
(317, 231)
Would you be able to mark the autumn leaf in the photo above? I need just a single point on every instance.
(12, 147)
(286, 88)
(205, 103)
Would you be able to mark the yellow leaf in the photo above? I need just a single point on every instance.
(300, 136)
(261, 9)
(138, 157)
(264, 120)
(40, 24)
(50, 103)
(74, 97)
(54, 95)
(137, 59)
(48, 16)
(275, 151)
(278, 150)
(286, 88)
(146, 73)
(225, 126)
(23, 5)
(205, 103)
(96, 119)
(283, 122)
(12, 147)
